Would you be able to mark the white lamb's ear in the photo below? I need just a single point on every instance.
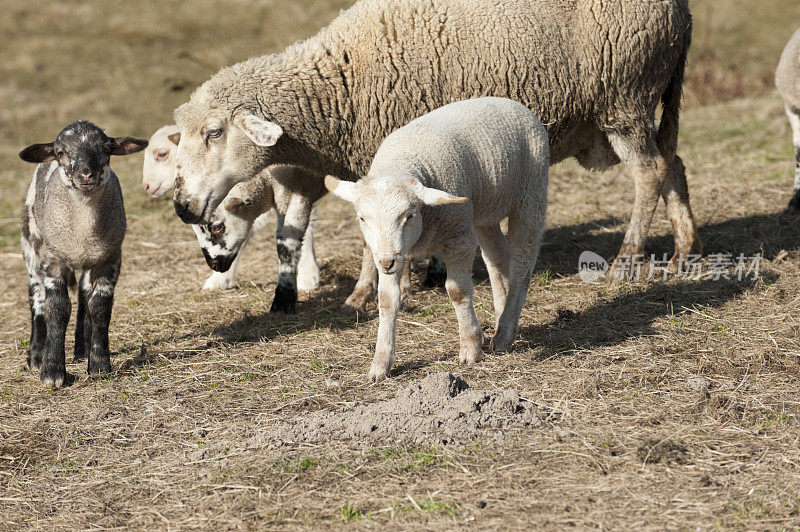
(261, 132)
(344, 189)
(432, 196)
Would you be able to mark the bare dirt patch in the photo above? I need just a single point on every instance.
(440, 409)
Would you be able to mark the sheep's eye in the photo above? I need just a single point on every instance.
(217, 228)
(409, 216)
(361, 218)
(160, 156)
(60, 153)
(214, 133)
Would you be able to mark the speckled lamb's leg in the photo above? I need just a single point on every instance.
(36, 294)
(57, 308)
(794, 119)
(83, 324)
(289, 240)
(101, 285)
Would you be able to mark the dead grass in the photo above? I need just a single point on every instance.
(641, 441)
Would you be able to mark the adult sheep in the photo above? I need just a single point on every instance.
(787, 80)
(594, 72)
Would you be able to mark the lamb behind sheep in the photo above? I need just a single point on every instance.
(787, 79)
(490, 152)
(245, 210)
(158, 171)
(73, 221)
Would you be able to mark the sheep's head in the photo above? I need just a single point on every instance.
(158, 171)
(83, 151)
(216, 151)
(223, 238)
(389, 213)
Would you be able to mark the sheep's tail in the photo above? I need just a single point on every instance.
(671, 105)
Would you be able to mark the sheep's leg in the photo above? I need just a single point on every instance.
(291, 227)
(676, 197)
(494, 249)
(103, 280)
(388, 307)
(307, 268)
(405, 282)
(794, 120)
(367, 284)
(83, 324)
(458, 260)
(637, 149)
(36, 298)
(524, 241)
(57, 308)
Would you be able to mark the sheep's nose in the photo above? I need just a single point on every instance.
(387, 264)
(85, 174)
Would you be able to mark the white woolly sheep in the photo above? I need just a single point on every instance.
(73, 221)
(593, 72)
(490, 152)
(787, 79)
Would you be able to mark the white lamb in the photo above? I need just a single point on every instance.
(444, 182)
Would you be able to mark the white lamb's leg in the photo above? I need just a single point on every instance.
(794, 120)
(226, 280)
(388, 307)
(307, 268)
(459, 287)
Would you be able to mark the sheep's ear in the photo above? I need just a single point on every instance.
(38, 153)
(175, 138)
(344, 189)
(234, 204)
(125, 145)
(432, 196)
(261, 132)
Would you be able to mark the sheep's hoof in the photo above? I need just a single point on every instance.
(79, 353)
(53, 376)
(99, 367)
(501, 343)
(34, 361)
(470, 355)
(794, 204)
(219, 281)
(358, 300)
(285, 300)
(377, 374)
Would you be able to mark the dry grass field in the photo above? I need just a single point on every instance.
(673, 404)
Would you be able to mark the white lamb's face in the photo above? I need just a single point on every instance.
(388, 212)
(158, 171)
(215, 153)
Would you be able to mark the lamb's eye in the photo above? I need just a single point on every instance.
(217, 228)
(60, 153)
(409, 216)
(161, 155)
(361, 219)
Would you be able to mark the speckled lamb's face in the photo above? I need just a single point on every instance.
(223, 238)
(214, 153)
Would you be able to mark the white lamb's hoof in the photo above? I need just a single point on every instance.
(470, 355)
(308, 280)
(219, 281)
(378, 372)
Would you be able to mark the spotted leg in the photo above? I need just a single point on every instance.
(56, 310)
(103, 280)
(458, 260)
(388, 307)
(83, 324)
(289, 235)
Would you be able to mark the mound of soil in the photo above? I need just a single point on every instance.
(439, 409)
